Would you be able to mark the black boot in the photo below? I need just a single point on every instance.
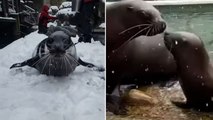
(87, 38)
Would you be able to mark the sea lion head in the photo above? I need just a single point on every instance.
(58, 43)
(141, 17)
(184, 43)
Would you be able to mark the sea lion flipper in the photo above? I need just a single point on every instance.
(90, 65)
(16, 65)
(180, 104)
(116, 105)
(19, 64)
(86, 64)
(29, 62)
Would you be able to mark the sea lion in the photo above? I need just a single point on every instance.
(126, 57)
(56, 56)
(128, 61)
(194, 68)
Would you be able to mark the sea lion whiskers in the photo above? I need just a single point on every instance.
(40, 60)
(50, 63)
(64, 62)
(71, 57)
(67, 61)
(130, 28)
(151, 27)
(68, 57)
(148, 27)
(153, 30)
(132, 37)
(48, 58)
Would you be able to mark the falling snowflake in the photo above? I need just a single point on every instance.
(207, 104)
(202, 84)
(113, 72)
(176, 42)
(147, 69)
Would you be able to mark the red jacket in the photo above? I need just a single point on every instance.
(87, 1)
(44, 17)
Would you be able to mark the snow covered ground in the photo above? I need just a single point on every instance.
(27, 95)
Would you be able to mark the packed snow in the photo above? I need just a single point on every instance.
(66, 11)
(25, 94)
(66, 5)
(103, 25)
(54, 7)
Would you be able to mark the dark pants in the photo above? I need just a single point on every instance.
(85, 22)
(41, 28)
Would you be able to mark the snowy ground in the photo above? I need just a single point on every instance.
(27, 95)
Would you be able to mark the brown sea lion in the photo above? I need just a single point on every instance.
(194, 68)
(126, 56)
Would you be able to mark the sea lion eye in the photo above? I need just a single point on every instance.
(143, 13)
(130, 8)
(66, 41)
(50, 40)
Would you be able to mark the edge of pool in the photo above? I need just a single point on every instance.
(175, 2)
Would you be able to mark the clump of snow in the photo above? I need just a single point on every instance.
(66, 11)
(28, 95)
(51, 24)
(53, 8)
(102, 25)
(7, 18)
(65, 5)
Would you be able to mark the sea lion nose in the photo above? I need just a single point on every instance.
(58, 48)
(163, 25)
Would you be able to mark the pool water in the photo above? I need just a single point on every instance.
(197, 19)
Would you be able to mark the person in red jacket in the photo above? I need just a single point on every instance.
(44, 18)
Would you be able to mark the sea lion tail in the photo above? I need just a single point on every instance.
(90, 65)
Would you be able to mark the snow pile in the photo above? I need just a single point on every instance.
(28, 95)
(66, 11)
(65, 5)
(53, 10)
(54, 7)
(7, 18)
(102, 25)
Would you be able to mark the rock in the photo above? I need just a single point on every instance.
(137, 97)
